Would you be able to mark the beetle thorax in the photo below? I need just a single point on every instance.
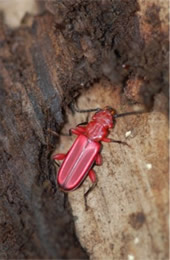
(104, 117)
(98, 127)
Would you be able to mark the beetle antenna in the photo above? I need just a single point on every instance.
(129, 113)
(84, 110)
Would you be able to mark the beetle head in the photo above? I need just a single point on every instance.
(111, 110)
(105, 116)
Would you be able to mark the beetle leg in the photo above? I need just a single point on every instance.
(92, 176)
(52, 132)
(82, 129)
(74, 131)
(78, 130)
(109, 140)
(99, 159)
(83, 123)
(57, 164)
(57, 134)
(59, 156)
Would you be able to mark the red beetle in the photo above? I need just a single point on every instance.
(85, 151)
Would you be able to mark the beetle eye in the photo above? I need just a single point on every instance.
(108, 108)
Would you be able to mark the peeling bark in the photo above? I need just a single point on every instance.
(114, 53)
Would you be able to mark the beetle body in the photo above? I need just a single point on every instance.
(85, 151)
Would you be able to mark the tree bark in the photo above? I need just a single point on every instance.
(113, 53)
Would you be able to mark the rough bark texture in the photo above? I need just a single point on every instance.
(115, 52)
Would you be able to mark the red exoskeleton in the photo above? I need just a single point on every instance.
(85, 151)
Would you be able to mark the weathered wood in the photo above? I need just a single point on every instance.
(127, 212)
(123, 46)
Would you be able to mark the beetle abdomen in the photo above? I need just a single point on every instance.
(77, 163)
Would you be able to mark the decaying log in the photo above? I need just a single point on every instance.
(112, 53)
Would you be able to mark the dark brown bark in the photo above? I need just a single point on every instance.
(42, 70)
